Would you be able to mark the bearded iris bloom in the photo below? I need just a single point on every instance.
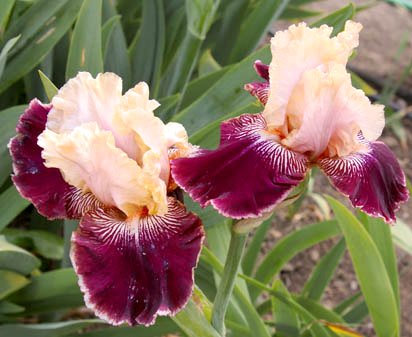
(312, 116)
(103, 158)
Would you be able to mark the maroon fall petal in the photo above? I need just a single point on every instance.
(258, 89)
(262, 69)
(43, 186)
(133, 270)
(373, 180)
(247, 176)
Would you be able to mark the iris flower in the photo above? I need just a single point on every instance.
(312, 116)
(103, 158)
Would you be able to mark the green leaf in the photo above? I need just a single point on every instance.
(255, 26)
(323, 272)
(11, 204)
(5, 10)
(146, 54)
(318, 310)
(163, 327)
(285, 318)
(207, 64)
(16, 259)
(44, 243)
(50, 89)
(167, 107)
(347, 303)
(193, 322)
(107, 31)
(380, 233)
(402, 236)
(7, 307)
(371, 272)
(337, 19)
(254, 246)
(8, 122)
(33, 22)
(5, 51)
(69, 227)
(50, 291)
(357, 314)
(118, 61)
(293, 13)
(290, 245)
(46, 329)
(10, 282)
(85, 53)
(359, 83)
(200, 15)
(223, 98)
(35, 50)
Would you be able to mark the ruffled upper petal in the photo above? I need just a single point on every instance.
(372, 179)
(90, 161)
(297, 50)
(325, 112)
(44, 187)
(248, 175)
(133, 270)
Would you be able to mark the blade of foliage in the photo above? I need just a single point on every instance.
(167, 107)
(207, 64)
(223, 98)
(11, 204)
(255, 26)
(7, 307)
(41, 45)
(85, 53)
(318, 310)
(253, 247)
(10, 282)
(163, 327)
(107, 31)
(16, 259)
(380, 233)
(255, 323)
(197, 87)
(8, 122)
(291, 245)
(337, 19)
(68, 228)
(5, 9)
(44, 243)
(285, 318)
(116, 57)
(369, 265)
(323, 272)
(359, 83)
(357, 314)
(346, 304)
(50, 291)
(200, 14)
(227, 30)
(402, 236)
(209, 215)
(297, 13)
(50, 89)
(5, 51)
(341, 330)
(31, 24)
(146, 54)
(46, 329)
(193, 323)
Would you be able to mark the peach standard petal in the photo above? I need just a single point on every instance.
(297, 50)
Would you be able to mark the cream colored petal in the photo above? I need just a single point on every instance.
(297, 50)
(328, 114)
(85, 99)
(88, 159)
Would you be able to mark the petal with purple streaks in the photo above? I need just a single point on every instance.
(133, 270)
(247, 176)
(373, 180)
(43, 186)
(258, 89)
(262, 69)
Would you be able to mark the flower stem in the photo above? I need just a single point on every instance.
(224, 291)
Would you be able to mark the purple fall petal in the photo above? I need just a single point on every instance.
(43, 186)
(258, 89)
(262, 69)
(132, 271)
(372, 180)
(248, 175)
